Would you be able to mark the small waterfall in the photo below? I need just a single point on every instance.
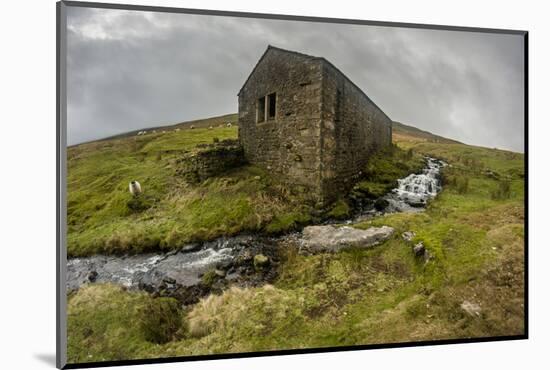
(414, 191)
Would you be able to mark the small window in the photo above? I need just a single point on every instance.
(271, 106)
(260, 114)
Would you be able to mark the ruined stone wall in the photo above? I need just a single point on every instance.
(209, 161)
(289, 144)
(353, 129)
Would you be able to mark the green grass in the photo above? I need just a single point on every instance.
(381, 295)
(340, 210)
(103, 216)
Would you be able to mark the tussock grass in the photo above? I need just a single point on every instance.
(107, 323)
(160, 319)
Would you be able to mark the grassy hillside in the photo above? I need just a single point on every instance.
(198, 123)
(102, 218)
(473, 231)
(410, 133)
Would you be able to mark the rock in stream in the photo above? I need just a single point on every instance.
(332, 238)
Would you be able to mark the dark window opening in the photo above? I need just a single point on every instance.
(271, 105)
(261, 109)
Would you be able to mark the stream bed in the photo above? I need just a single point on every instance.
(180, 273)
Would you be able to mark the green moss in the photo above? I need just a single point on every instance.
(260, 262)
(373, 190)
(383, 170)
(209, 278)
(287, 222)
(340, 210)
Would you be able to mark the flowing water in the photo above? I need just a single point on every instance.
(414, 191)
(185, 267)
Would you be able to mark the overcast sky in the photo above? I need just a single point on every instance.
(129, 69)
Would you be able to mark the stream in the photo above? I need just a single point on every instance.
(179, 273)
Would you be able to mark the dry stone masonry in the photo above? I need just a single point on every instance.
(302, 118)
(210, 160)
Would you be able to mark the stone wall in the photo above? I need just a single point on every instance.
(289, 144)
(210, 160)
(353, 129)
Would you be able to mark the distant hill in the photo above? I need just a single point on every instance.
(402, 130)
(413, 132)
(198, 123)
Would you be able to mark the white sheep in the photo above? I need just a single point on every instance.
(135, 188)
(229, 124)
(177, 130)
(210, 128)
(192, 127)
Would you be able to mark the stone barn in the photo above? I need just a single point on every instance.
(303, 119)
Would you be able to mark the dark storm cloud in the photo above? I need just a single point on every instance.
(128, 70)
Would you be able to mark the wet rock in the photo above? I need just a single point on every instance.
(189, 295)
(169, 280)
(419, 249)
(381, 204)
(92, 276)
(225, 265)
(417, 204)
(260, 261)
(472, 309)
(408, 236)
(190, 248)
(232, 275)
(219, 273)
(333, 239)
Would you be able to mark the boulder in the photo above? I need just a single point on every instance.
(219, 273)
(419, 249)
(381, 204)
(193, 247)
(169, 280)
(260, 261)
(333, 238)
(472, 309)
(92, 276)
(408, 236)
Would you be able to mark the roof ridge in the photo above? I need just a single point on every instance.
(269, 46)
